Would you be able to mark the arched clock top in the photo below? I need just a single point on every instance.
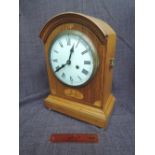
(97, 26)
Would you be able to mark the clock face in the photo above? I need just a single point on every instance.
(73, 58)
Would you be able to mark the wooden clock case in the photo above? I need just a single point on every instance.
(93, 102)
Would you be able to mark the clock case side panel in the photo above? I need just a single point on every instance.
(108, 98)
(109, 64)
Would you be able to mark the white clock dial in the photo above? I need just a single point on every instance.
(73, 58)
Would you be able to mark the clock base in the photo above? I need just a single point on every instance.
(82, 112)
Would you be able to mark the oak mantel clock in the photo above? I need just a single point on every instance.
(80, 53)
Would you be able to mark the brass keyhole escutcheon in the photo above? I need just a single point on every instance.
(112, 62)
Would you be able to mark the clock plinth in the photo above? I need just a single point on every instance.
(80, 54)
(98, 117)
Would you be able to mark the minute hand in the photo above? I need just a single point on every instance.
(71, 51)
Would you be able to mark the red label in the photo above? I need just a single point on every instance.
(80, 138)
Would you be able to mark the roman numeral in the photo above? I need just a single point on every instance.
(60, 43)
(68, 40)
(86, 62)
(71, 79)
(57, 67)
(55, 60)
(63, 75)
(84, 71)
(85, 51)
(55, 51)
(79, 77)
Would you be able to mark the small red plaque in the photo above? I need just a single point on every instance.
(79, 138)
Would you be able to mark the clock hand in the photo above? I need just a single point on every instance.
(71, 51)
(62, 66)
(68, 61)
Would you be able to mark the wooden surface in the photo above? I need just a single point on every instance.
(96, 94)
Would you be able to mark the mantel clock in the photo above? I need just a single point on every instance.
(80, 53)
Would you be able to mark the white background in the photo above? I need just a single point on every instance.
(145, 77)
